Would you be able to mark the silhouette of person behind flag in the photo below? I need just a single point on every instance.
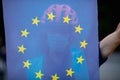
(56, 41)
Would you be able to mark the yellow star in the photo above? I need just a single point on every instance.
(21, 48)
(83, 44)
(35, 21)
(51, 16)
(78, 29)
(24, 33)
(80, 60)
(66, 19)
(70, 72)
(27, 64)
(55, 77)
(39, 75)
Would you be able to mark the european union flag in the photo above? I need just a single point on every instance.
(51, 39)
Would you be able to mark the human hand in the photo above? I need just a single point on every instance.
(110, 42)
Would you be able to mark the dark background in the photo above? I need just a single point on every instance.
(108, 17)
(1, 25)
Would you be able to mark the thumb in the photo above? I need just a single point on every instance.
(118, 27)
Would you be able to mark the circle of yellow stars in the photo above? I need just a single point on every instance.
(27, 63)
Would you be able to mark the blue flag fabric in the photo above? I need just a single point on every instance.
(51, 39)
